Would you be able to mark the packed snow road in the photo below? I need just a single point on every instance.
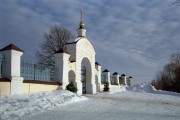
(118, 106)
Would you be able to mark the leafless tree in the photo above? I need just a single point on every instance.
(54, 41)
(175, 59)
(175, 2)
(169, 78)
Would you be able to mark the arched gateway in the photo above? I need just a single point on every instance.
(80, 58)
(86, 73)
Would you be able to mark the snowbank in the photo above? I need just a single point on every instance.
(147, 88)
(17, 106)
(142, 88)
(119, 106)
(115, 90)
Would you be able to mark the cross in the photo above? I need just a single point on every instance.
(81, 15)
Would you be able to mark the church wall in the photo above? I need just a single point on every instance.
(71, 49)
(5, 88)
(114, 86)
(72, 66)
(101, 87)
(32, 87)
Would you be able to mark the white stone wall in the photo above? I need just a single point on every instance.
(71, 48)
(12, 70)
(62, 65)
(12, 63)
(98, 78)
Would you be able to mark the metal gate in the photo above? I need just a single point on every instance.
(83, 79)
(1, 66)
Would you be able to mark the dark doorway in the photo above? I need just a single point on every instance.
(83, 79)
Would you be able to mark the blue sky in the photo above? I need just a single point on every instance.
(134, 37)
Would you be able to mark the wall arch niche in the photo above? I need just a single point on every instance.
(72, 76)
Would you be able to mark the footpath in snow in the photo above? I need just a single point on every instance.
(136, 103)
(17, 106)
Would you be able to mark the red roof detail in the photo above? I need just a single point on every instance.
(11, 47)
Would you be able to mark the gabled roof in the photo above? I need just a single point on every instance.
(11, 47)
(123, 75)
(77, 40)
(106, 70)
(74, 41)
(97, 63)
(115, 73)
(62, 51)
(130, 77)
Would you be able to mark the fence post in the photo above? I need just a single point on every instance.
(123, 76)
(98, 82)
(116, 77)
(1, 65)
(107, 76)
(130, 80)
(12, 67)
(62, 66)
(34, 66)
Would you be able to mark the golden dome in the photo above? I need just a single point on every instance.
(81, 25)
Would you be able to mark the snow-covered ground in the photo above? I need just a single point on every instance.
(17, 106)
(139, 102)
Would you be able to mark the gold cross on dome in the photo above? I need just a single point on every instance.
(81, 15)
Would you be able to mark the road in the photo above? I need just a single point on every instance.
(118, 106)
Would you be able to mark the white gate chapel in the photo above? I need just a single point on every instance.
(77, 64)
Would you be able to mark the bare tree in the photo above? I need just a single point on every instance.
(55, 40)
(175, 59)
(169, 78)
(175, 2)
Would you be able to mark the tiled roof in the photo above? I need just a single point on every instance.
(41, 82)
(4, 80)
(115, 73)
(62, 51)
(11, 47)
(130, 77)
(123, 75)
(97, 63)
(106, 70)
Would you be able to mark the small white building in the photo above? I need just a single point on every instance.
(77, 64)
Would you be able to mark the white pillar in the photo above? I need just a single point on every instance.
(116, 76)
(12, 69)
(98, 83)
(62, 66)
(79, 87)
(123, 76)
(130, 80)
(107, 76)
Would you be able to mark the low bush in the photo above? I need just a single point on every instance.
(106, 87)
(71, 87)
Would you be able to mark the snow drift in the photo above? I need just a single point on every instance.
(142, 88)
(115, 90)
(148, 88)
(17, 106)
